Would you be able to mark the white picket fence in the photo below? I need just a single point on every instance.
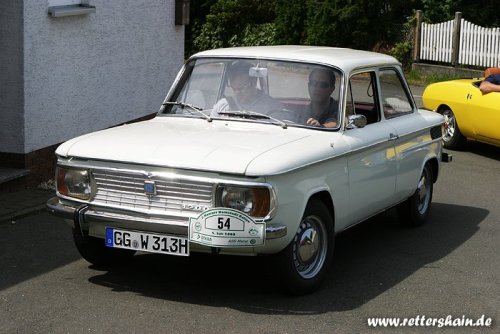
(479, 46)
(464, 43)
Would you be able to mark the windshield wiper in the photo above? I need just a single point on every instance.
(183, 105)
(252, 115)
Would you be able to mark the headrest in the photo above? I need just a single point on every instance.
(491, 70)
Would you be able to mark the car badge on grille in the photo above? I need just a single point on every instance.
(150, 188)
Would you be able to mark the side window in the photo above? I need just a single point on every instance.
(361, 98)
(395, 99)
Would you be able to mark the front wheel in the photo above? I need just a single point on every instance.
(94, 251)
(415, 210)
(304, 263)
(452, 137)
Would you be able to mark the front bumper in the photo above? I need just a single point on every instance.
(94, 220)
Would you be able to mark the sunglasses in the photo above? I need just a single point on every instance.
(320, 84)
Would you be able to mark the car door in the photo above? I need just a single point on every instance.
(371, 164)
(485, 109)
(412, 135)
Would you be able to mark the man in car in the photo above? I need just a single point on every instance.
(323, 109)
(490, 84)
(246, 95)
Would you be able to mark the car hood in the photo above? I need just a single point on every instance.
(221, 146)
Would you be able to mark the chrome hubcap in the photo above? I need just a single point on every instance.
(449, 125)
(309, 247)
(423, 193)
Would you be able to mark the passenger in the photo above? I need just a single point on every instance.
(323, 109)
(490, 84)
(246, 95)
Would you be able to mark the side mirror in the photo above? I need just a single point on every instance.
(356, 121)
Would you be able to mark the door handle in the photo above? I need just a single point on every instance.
(393, 136)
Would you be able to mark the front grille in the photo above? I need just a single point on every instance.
(173, 195)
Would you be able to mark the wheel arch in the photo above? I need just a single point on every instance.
(442, 107)
(434, 164)
(458, 115)
(325, 197)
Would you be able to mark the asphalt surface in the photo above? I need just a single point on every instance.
(450, 266)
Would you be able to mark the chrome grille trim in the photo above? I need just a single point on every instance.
(174, 195)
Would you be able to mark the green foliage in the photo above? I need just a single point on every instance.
(423, 79)
(402, 51)
(237, 22)
(363, 24)
(480, 12)
(289, 22)
(257, 34)
(438, 11)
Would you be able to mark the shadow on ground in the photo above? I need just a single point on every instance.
(32, 246)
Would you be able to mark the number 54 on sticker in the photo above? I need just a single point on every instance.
(224, 223)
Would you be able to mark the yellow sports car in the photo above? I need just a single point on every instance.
(469, 113)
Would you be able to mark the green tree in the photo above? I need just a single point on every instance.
(481, 12)
(237, 23)
(197, 13)
(363, 24)
(290, 20)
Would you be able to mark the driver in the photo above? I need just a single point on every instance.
(246, 95)
(323, 109)
(490, 84)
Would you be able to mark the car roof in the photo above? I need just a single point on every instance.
(344, 58)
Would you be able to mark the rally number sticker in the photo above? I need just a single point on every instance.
(221, 227)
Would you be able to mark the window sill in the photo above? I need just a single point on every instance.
(81, 9)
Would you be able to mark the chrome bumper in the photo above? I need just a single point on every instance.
(82, 216)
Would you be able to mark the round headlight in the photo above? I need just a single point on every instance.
(254, 202)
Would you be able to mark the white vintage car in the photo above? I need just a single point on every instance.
(255, 151)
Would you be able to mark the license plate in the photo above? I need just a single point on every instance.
(147, 242)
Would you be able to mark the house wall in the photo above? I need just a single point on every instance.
(11, 77)
(88, 72)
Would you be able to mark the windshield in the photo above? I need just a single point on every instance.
(257, 90)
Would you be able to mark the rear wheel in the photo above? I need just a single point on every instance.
(94, 251)
(305, 261)
(452, 137)
(415, 210)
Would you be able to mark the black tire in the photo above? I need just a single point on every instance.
(415, 210)
(452, 137)
(304, 263)
(94, 251)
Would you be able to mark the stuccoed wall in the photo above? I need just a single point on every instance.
(85, 73)
(11, 77)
